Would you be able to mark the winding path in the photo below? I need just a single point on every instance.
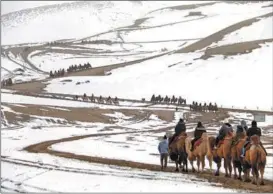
(43, 147)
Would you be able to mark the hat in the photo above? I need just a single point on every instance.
(254, 123)
(243, 122)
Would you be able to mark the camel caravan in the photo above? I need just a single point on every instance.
(168, 100)
(241, 150)
(7, 82)
(70, 69)
(58, 73)
(100, 99)
(195, 106)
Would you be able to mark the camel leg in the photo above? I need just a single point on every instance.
(255, 174)
(240, 171)
(229, 167)
(246, 175)
(203, 163)
(186, 162)
(210, 164)
(225, 166)
(218, 168)
(262, 175)
(198, 164)
(235, 171)
(193, 169)
(176, 164)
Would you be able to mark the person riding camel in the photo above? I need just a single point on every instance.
(253, 130)
(244, 125)
(199, 130)
(179, 128)
(224, 130)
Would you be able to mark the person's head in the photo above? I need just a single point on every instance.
(240, 128)
(227, 124)
(199, 124)
(243, 123)
(254, 123)
(165, 137)
(181, 120)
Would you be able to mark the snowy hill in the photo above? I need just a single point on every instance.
(200, 51)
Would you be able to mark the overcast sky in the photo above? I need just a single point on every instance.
(10, 6)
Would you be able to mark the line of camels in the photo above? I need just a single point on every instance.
(195, 106)
(229, 149)
(108, 100)
(71, 68)
(100, 99)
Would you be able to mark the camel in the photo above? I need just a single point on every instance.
(178, 153)
(224, 151)
(255, 158)
(199, 152)
(237, 162)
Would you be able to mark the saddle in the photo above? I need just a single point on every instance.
(197, 143)
(229, 135)
(183, 134)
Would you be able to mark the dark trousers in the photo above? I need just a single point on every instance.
(193, 141)
(163, 160)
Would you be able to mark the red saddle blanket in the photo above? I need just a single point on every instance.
(197, 143)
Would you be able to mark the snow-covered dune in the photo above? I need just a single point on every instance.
(216, 79)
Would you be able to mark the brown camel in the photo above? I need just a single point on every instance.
(238, 144)
(199, 151)
(210, 145)
(178, 153)
(255, 157)
(223, 151)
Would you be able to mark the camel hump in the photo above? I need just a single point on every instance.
(204, 135)
(255, 139)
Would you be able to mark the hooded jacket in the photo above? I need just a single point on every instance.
(163, 147)
(225, 129)
(199, 130)
(180, 127)
(253, 130)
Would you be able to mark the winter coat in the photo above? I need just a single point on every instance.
(163, 147)
(180, 127)
(224, 130)
(198, 132)
(253, 131)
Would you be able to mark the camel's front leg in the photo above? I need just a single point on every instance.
(226, 167)
(229, 167)
(176, 164)
(203, 162)
(198, 164)
(235, 171)
(192, 166)
(262, 175)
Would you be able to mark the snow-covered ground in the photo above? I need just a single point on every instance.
(73, 20)
(212, 80)
(239, 81)
(257, 31)
(23, 171)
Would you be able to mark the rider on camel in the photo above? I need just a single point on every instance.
(224, 130)
(244, 125)
(179, 128)
(199, 130)
(253, 130)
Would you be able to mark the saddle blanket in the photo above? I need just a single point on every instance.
(198, 142)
